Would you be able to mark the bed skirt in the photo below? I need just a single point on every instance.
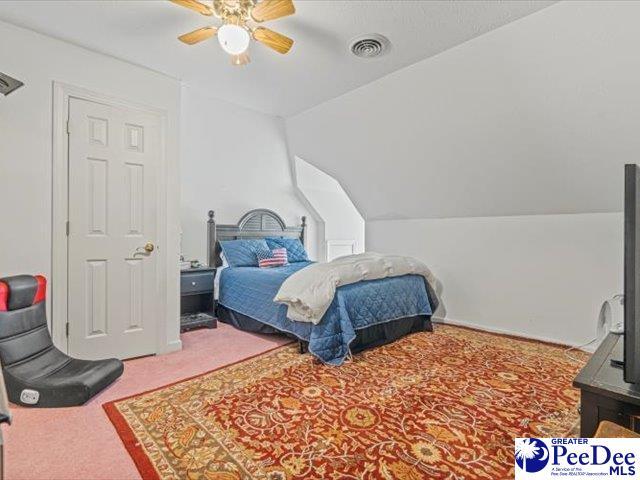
(370, 337)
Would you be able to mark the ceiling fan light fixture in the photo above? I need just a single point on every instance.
(233, 39)
(237, 30)
(242, 59)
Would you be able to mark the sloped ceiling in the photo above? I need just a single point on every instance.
(536, 117)
(318, 68)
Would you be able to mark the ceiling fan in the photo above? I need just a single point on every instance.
(236, 32)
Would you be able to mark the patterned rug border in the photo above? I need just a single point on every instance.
(137, 452)
(512, 336)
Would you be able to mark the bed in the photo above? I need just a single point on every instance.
(362, 315)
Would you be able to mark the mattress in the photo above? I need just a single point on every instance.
(250, 291)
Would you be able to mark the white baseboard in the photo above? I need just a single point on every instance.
(475, 326)
(172, 346)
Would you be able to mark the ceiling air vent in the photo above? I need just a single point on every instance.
(370, 46)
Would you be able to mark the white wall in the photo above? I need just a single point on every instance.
(542, 276)
(341, 222)
(232, 160)
(535, 117)
(26, 142)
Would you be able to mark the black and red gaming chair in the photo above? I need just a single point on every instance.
(36, 373)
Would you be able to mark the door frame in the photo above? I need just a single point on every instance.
(62, 93)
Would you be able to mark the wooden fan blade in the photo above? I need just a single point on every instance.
(195, 6)
(272, 9)
(274, 40)
(198, 35)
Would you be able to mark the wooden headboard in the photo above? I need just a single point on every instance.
(258, 223)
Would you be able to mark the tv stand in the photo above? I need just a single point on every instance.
(604, 395)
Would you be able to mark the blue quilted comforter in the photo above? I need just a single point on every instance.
(250, 291)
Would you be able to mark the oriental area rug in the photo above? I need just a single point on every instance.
(433, 405)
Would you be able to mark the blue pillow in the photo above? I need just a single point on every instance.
(242, 253)
(295, 249)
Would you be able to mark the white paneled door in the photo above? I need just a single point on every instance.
(112, 271)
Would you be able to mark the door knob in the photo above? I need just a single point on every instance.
(146, 250)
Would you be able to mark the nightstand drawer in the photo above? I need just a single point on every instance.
(196, 282)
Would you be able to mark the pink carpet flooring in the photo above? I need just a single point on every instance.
(81, 443)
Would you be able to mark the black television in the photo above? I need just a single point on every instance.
(631, 361)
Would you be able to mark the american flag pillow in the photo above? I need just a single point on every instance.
(272, 258)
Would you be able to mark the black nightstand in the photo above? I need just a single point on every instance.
(197, 305)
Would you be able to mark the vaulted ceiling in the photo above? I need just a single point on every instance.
(536, 117)
(318, 68)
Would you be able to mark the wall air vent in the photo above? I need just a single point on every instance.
(8, 84)
(370, 46)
